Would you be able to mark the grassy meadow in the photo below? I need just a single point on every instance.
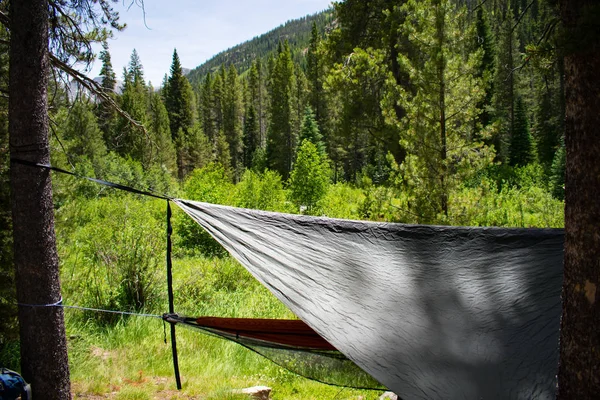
(112, 251)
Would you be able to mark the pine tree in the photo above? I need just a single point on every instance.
(107, 116)
(314, 74)
(251, 136)
(82, 136)
(135, 69)
(506, 84)
(547, 130)
(232, 120)
(206, 109)
(181, 107)
(485, 42)
(160, 131)
(521, 151)
(130, 140)
(256, 87)
(281, 139)
(310, 131)
(442, 110)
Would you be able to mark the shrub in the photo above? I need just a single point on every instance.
(261, 191)
(115, 253)
(212, 185)
(309, 178)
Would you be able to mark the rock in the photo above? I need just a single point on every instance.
(388, 395)
(256, 392)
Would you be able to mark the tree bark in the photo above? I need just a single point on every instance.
(44, 360)
(579, 369)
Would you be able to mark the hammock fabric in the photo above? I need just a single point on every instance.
(276, 333)
(291, 344)
(431, 312)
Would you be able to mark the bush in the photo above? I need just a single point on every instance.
(211, 185)
(114, 254)
(309, 179)
(261, 191)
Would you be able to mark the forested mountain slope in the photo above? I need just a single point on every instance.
(296, 32)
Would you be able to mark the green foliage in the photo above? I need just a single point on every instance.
(242, 56)
(232, 119)
(485, 41)
(281, 135)
(261, 191)
(251, 136)
(180, 103)
(557, 174)
(522, 150)
(546, 130)
(107, 115)
(81, 135)
(441, 107)
(163, 149)
(128, 139)
(210, 184)
(112, 251)
(310, 131)
(506, 83)
(309, 179)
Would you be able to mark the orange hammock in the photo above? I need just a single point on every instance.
(278, 333)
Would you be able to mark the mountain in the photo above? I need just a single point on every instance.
(296, 32)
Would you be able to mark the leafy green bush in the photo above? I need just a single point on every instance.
(212, 185)
(309, 178)
(113, 252)
(261, 191)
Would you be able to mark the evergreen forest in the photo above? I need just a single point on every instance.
(443, 112)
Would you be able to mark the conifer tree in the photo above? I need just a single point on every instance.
(485, 42)
(232, 120)
(506, 85)
(442, 110)
(251, 136)
(106, 114)
(547, 130)
(314, 74)
(217, 96)
(281, 139)
(129, 140)
(160, 130)
(310, 131)
(179, 99)
(256, 86)
(81, 134)
(521, 150)
(206, 109)
(135, 69)
(181, 106)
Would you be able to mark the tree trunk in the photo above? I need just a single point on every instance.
(43, 344)
(579, 369)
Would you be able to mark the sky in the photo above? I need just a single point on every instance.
(198, 29)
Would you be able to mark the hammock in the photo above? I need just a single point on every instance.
(431, 312)
(292, 344)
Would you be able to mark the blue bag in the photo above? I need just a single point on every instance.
(12, 385)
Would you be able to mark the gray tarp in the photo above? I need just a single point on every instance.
(432, 312)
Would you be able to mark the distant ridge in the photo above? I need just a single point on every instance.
(296, 32)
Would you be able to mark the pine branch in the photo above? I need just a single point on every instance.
(95, 88)
(521, 16)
